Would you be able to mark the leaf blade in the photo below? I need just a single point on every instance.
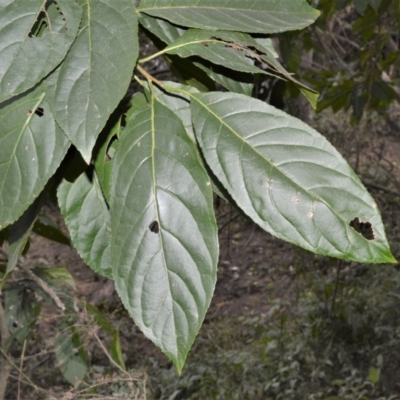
(164, 233)
(96, 72)
(287, 177)
(257, 16)
(88, 220)
(25, 59)
(32, 147)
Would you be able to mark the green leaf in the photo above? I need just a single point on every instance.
(115, 350)
(26, 58)
(254, 16)
(232, 80)
(59, 275)
(70, 354)
(96, 73)
(237, 51)
(88, 220)
(288, 178)
(19, 312)
(204, 44)
(164, 245)
(32, 147)
(20, 231)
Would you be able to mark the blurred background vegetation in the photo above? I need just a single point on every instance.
(284, 323)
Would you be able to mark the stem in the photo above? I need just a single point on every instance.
(149, 77)
(93, 332)
(143, 60)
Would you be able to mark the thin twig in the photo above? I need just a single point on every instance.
(45, 287)
(20, 369)
(28, 381)
(93, 332)
(148, 76)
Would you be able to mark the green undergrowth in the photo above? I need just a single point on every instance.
(337, 339)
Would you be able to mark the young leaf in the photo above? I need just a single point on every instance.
(164, 245)
(288, 178)
(96, 72)
(88, 220)
(254, 16)
(26, 58)
(32, 147)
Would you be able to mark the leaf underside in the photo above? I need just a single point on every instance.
(88, 220)
(287, 177)
(32, 147)
(164, 247)
(96, 73)
(27, 56)
(253, 16)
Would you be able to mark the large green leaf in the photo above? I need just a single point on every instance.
(164, 246)
(96, 72)
(288, 178)
(88, 220)
(32, 147)
(28, 55)
(256, 16)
